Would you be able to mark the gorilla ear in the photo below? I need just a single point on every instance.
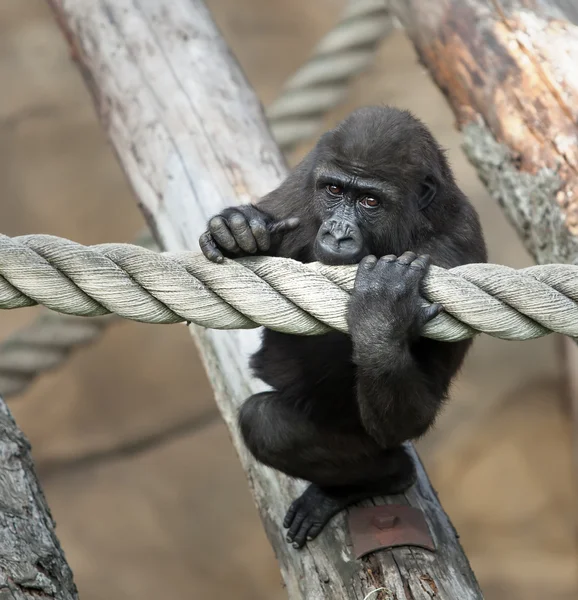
(429, 188)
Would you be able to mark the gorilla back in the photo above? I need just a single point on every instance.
(377, 190)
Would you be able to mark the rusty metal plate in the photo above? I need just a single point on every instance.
(377, 527)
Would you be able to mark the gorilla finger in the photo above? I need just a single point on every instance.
(432, 311)
(285, 225)
(367, 263)
(261, 234)
(385, 261)
(222, 235)
(314, 531)
(242, 233)
(290, 514)
(209, 248)
(407, 258)
(298, 519)
(301, 536)
(421, 262)
(364, 269)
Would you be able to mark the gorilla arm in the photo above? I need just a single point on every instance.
(399, 388)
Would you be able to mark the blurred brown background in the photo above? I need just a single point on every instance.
(172, 517)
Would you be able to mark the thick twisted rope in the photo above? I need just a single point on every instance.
(42, 346)
(282, 294)
(48, 341)
(313, 91)
(320, 85)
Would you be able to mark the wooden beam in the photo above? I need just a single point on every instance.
(32, 564)
(191, 137)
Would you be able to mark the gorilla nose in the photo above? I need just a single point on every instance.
(340, 233)
(339, 244)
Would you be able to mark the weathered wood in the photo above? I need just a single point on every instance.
(192, 139)
(32, 564)
(508, 69)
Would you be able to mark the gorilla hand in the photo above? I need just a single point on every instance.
(242, 231)
(386, 308)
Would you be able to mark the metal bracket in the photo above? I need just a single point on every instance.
(377, 527)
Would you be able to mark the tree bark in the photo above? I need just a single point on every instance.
(32, 564)
(508, 69)
(191, 137)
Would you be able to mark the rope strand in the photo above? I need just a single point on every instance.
(281, 294)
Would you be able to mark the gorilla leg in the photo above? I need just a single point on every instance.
(344, 466)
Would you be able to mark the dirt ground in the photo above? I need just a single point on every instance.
(172, 517)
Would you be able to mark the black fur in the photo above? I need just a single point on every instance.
(378, 185)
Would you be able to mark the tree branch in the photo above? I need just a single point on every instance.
(191, 137)
(508, 69)
(32, 564)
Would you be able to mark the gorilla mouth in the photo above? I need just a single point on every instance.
(336, 260)
(338, 254)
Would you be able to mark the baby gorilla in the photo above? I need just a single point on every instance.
(341, 407)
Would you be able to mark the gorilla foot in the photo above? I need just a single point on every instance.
(308, 515)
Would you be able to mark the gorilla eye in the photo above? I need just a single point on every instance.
(334, 190)
(369, 202)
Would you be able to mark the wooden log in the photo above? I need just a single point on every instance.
(508, 69)
(191, 136)
(32, 564)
